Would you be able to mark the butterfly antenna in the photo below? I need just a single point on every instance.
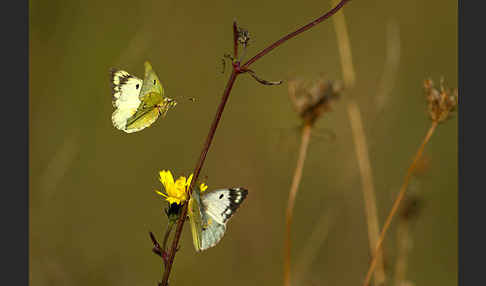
(182, 98)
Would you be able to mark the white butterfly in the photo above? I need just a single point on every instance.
(138, 103)
(209, 212)
(126, 91)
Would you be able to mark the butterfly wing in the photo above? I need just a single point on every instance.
(216, 208)
(126, 89)
(142, 118)
(195, 219)
(211, 234)
(151, 83)
(221, 204)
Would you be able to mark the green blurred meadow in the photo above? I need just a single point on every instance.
(92, 199)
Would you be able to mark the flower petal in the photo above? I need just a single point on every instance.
(166, 179)
(188, 183)
(160, 193)
(203, 187)
(180, 184)
(172, 200)
(175, 192)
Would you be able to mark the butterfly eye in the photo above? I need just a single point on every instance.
(155, 81)
(221, 196)
(136, 86)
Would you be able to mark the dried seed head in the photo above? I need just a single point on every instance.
(311, 99)
(440, 103)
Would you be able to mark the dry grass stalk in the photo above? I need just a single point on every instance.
(311, 247)
(306, 132)
(403, 246)
(359, 137)
(441, 104)
(310, 102)
(404, 240)
(368, 188)
(392, 61)
(399, 198)
(346, 56)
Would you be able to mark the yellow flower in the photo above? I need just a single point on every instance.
(176, 192)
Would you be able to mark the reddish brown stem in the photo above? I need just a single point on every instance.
(235, 40)
(295, 33)
(200, 162)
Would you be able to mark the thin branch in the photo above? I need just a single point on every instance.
(235, 40)
(156, 249)
(167, 234)
(295, 33)
(399, 199)
(200, 162)
(263, 81)
(345, 54)
(237, 69)
(306, 134)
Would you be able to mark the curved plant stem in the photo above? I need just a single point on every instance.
(167, 234)
(295, 33)
(237, 69)
(398, 200)
(306, 133)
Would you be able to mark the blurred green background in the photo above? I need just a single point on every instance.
(92, 199)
